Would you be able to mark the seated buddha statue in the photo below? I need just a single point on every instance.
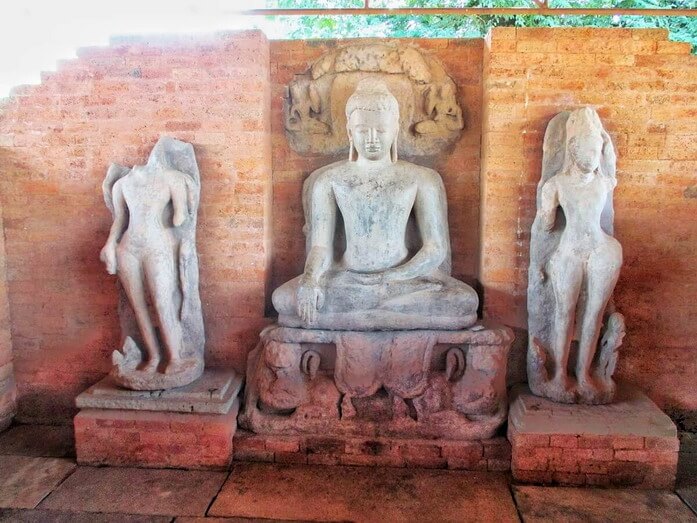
(378, 247)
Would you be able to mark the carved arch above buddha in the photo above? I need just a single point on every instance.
(431, 118)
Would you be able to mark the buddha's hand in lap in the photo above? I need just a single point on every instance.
(310, 300)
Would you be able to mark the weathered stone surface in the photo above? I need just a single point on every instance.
(213, 393)
(55, 516)
(25, 481)
(152, 248)
(155, 439)
(136, 491)
(408, 384)
(369, 266)
(574, 264)
(542, 504)
(431, 118)
(688, 493)
(47, 441)
(359, 494)
(626, 443)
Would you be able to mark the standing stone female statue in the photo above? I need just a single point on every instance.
(574, 264)
(152, 248)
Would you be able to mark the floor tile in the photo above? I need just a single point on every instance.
(542, 504)
(25, 481)
(137, 491)
(275, 491)
(38, 440)
(54, 516)
(688, 493)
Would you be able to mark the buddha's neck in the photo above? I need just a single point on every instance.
(374, 165)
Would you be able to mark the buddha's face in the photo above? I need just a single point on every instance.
(585, 140)
(373, 133)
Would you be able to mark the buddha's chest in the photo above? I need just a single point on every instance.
(375, 204)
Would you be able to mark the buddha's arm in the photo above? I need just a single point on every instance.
(322, 217)
(430, 209)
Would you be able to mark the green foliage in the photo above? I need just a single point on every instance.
(682, 28)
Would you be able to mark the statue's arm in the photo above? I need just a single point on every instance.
(108, 254)
(322, 217)
(178, 193)
(549, 201)
(431, 211)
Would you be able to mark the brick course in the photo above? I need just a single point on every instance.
(155, 439)
(492, 454)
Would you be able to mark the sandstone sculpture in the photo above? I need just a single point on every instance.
(375, 337)
(369, 267)
(152, 248)
(314, 110)
(574, 265)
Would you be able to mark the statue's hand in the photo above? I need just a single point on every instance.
(310, 300)
(108, 256)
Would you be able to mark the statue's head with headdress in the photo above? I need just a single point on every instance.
(372, 121)
(588, 146)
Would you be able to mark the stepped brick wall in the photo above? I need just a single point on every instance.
(224, 95)
(644, 88)
(56, 142)
(7, 383)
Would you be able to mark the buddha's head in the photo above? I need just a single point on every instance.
(372, 121)
(585, 140)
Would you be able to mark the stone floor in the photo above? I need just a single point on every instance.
(40, 482)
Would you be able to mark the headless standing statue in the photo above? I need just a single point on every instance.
(152, 248)
(574, 264)
(377, 236)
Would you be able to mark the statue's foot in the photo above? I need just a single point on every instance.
(149, 365)
(589, 390)
(175, 366)
(560, 389)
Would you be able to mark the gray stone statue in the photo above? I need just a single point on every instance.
(152, 248)
(378, 247)
(574, 265)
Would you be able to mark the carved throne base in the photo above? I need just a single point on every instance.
(394, 384)
(189, 427)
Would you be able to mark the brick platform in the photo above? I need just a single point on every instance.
(491, 454)
(628, 443)
(155, 439)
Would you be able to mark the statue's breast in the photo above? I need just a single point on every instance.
(376, 206)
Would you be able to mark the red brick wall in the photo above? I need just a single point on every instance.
(7, 383)
(111, 104)
(459, 168)
(644, 89)
(56, 142)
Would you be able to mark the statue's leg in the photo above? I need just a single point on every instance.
(566, 273)
(602, 273)
(131, 276)
(161, 278)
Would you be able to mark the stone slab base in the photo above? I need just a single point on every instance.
(213, 393)
(155, 439)
(491, 454)
(630, 442)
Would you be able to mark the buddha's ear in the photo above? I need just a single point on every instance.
(393, 149)
(352, 157)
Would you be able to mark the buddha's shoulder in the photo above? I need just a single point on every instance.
(328, 172)
(419, 172)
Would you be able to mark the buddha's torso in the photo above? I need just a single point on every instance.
(375, 208)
